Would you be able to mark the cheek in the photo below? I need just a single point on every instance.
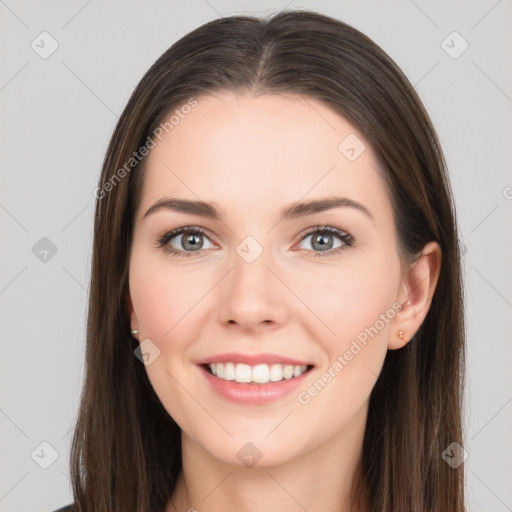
(355, 302)
(360, 317)
(350, 297)
(163, 300)
(171, 306)
(162, 297)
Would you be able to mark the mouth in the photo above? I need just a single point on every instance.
(257, 374)
(254, 385)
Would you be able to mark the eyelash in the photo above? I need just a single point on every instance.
(162, 243)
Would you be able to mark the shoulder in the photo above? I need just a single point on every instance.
(67, 508)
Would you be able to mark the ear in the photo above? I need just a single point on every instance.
(416, 292)
(133, 317)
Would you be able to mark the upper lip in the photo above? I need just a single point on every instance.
(253, 359)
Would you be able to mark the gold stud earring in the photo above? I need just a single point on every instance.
(134, 331)
(401, 334)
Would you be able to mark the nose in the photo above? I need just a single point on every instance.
(252, 296)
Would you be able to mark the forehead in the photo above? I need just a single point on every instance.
(249, 151)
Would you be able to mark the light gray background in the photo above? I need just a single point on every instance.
(57, 117)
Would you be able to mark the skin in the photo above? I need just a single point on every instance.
(253, 156)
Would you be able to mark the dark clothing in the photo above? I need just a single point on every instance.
(67, 508)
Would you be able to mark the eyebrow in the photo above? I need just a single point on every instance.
(294, 211)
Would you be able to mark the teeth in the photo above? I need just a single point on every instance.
(288, 371)
(276, 373)
(243, 373)
(259, 374)
(229, 371)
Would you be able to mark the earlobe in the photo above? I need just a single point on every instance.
(129, 302)
(398, 339)
(133, 317)
(416, 295)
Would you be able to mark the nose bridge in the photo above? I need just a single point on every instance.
(251, 294)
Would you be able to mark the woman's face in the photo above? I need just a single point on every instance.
(257, 288)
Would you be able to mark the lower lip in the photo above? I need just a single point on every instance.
(253, 394)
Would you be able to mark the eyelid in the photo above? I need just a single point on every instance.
(344, 236)
(164, 239)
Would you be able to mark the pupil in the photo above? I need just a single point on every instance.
(192, 246)
(321, 239)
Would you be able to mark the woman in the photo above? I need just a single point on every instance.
(228, 366)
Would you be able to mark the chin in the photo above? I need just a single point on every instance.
(254, 451)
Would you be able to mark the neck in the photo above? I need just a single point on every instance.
(318, 480)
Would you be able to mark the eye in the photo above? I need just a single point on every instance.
(190, 241)
(322, 240)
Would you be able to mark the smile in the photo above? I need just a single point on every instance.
(258, 374)
(260, 384)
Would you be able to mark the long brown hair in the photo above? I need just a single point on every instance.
(126, 450)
